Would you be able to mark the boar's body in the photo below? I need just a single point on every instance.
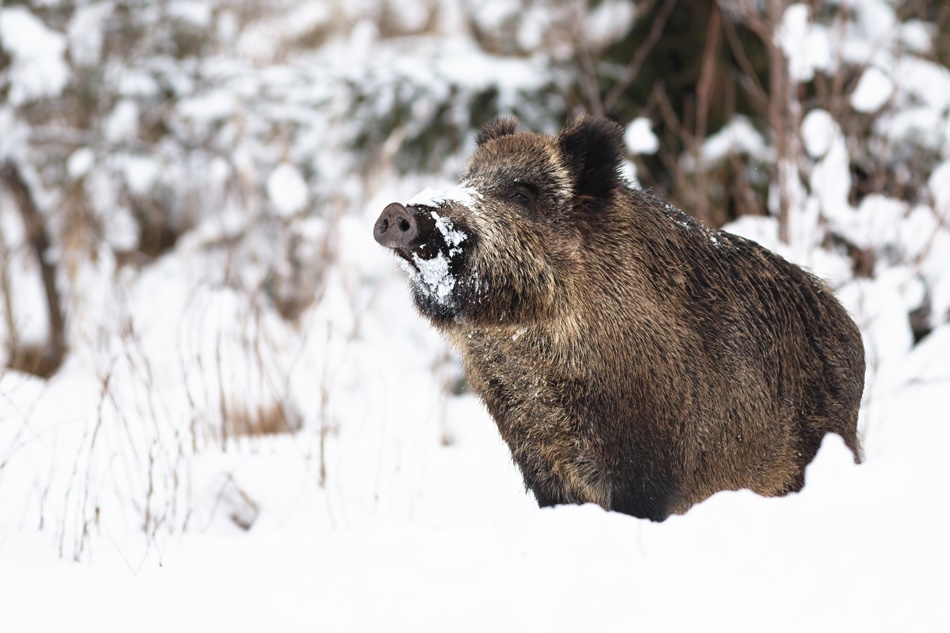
(630, 356)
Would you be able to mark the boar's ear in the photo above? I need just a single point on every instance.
(502, 126)
(593, 151)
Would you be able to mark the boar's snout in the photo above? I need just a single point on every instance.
(396, 227)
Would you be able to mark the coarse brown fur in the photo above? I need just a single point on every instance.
(630, 356)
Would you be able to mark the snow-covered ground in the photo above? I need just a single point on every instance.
(422, 521)
(861, 548)
(201, 462)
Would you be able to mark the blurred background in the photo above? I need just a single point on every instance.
(190, 297)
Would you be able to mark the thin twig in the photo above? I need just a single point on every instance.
(640, 55)
(703, 104)
(749, 79)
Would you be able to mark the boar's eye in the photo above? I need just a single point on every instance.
(522, 195)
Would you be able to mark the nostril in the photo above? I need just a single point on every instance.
(396, 227)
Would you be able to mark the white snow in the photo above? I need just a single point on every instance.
(917, 36)
(758, 228)
(198, 14)
(875, 221)
(209, 107)
(885, 328)
(452, 236)
(395, 505)
(939, 183)
(533, 24)
(85, 33)
(873, 90)
(287, 190)
(433, 276)
(830, 178)
(806, 45)
(818, 131)
(122, 232)
(736, 137)
(608, 21)
(430, 197)
(80, 162)
(38, 69)
(926, 81)
(141, 172)
(493, 14)
(123, 123)
(876, 19)
(489, 566)
(639, 137)
(914, 124)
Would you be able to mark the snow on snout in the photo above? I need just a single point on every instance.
(430, 197)
(433, 276)
(450, 234)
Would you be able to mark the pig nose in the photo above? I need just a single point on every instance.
(396, 227)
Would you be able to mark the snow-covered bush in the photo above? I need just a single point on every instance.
(863, 171)
(203, 172)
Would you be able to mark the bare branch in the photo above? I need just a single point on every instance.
(642, 52)
(749, 79)
(55, 350)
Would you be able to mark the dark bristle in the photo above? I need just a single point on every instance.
(593, 149)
